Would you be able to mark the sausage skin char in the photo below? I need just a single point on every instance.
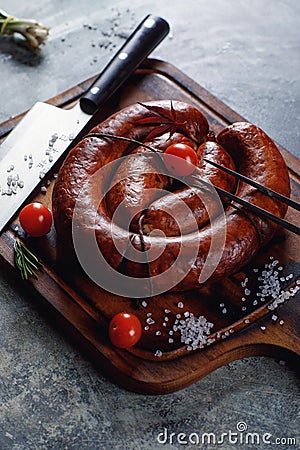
(196, 215)
(247, 148)
(138, 172)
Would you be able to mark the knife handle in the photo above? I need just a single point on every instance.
(148, 34)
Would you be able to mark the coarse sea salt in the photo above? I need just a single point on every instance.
(284, 295)
(271, 284)
(150, 321)
(194, 331)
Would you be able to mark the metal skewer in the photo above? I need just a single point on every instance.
(256, 209)
(259, 186)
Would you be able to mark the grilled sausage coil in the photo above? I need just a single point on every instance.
(241, 146)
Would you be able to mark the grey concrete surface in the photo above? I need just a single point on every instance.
(246, 53)
(51, 396)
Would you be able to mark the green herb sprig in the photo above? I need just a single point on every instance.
(34, 33)
(25, 260)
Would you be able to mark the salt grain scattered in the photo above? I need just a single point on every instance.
(270, 285)
(150, 321)
(194, 331)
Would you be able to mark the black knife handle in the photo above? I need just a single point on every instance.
(149, 33)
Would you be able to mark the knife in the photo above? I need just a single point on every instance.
(46, 132)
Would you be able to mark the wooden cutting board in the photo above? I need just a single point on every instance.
(243, 324)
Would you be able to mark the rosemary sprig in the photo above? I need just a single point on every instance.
(25, 260)
(34, 33)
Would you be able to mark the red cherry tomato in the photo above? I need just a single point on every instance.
(35, 219)
(180, 160)
(125, 330)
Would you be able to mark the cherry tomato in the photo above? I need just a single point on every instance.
(35, 219)
(180, 159)
(125, 330)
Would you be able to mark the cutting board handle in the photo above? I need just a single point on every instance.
(149, 33)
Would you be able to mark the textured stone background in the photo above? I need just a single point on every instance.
(51, 397)
(246, 53)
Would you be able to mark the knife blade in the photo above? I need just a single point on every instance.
(47, 132)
